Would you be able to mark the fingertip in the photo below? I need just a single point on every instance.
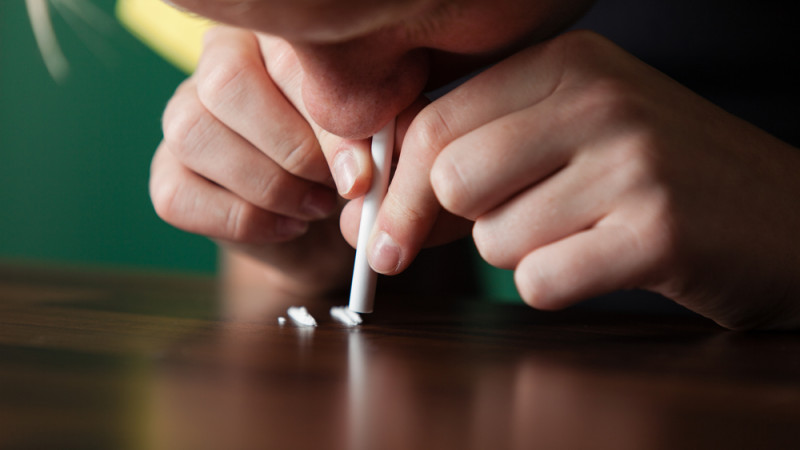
(350, 166)
(594, 262)
(534, 283)
(526, 288)
(345, 170)
(398, 234)
(385, 255)
(531, 289)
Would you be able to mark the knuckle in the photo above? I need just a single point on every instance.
(227, 81)
(451, 188)
(660, 231)
(431, 129)
(235, 228)
(582, 42)
(269, 190)
(634, 151)
(631, 162)
(411, 217)
(658, 239)
(184, 124)
(164, 195)
(583, 49)
(282, 63)
(302, 156)
(244, 223)
(611, 101)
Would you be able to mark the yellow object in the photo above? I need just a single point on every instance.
(175, 35)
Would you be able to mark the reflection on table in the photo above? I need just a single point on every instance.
(142, 361)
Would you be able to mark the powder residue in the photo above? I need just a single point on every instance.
(301, 317)
(345, 316)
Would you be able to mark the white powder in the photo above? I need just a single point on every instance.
(346, 316)
(281, 321)
(301, 317)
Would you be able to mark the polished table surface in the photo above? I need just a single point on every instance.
(119, 360)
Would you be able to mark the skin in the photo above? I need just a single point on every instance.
(338, 68)
(573, 163)
(365, 61)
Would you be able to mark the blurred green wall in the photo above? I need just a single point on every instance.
(75, 155)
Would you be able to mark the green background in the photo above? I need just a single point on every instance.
(75, 155)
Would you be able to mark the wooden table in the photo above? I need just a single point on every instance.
(109, 360)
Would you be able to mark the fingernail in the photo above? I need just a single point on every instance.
(385, 255)
(319, 203)
(287, 227)
(345, 171)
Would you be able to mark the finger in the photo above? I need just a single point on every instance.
(587, 264)
(233, 84)
(410, 208)
(573, 199)
(514, 84)
(447, 227)
(194, 204)
(487, 166)
(406, 217)
(351, 162)
(211, 149)
(348, 160)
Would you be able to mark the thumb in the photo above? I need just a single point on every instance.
(410, 208)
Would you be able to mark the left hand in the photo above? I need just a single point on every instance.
(587, 171)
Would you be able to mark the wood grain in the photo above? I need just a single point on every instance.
(122, 360)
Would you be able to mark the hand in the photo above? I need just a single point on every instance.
(241, 165)
(349, 160)
(587, 171)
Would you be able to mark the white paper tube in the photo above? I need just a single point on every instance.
(362, 291)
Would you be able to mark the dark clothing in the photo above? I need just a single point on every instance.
(740, 54)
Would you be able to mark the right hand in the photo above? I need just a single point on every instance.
(241, 165)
